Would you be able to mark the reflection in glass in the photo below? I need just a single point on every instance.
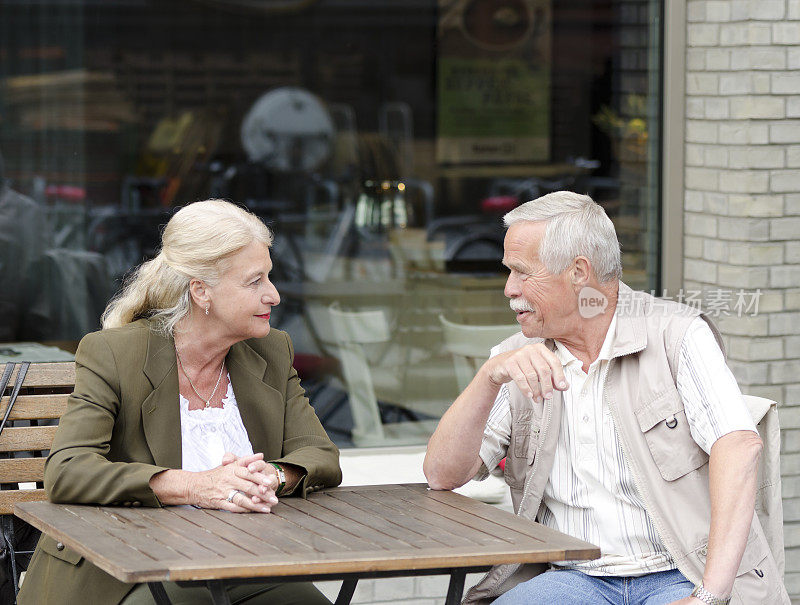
(382, 141)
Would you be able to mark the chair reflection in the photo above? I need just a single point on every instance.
(344, 335)
(470, 346)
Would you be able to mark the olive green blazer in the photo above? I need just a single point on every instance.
(122, 426)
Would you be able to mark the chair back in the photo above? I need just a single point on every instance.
(344, 333)
(41, 401)
(470, 346)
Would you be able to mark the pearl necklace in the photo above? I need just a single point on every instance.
(207, 402)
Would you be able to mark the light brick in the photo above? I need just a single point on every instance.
(717, 10)
(757, 133)
(740, 11)
(784, 324)
(785, 276)
(755, 253)
(759, 33)
(704, 179)
(715, 250)
(744, 229)
(695, 59)
(744, 326)
(702, 34)
(699, 131)
(735, 83)
(785, 84)
(793, 156)
(766, 10)
(763, 156)
(696, 11)
(755, 205)
(786, 228)
(773, 393)
(792, 395)
(694, 155)
(791, 299)
(790, 487)
(793, 9)
(791, 581)
(695, 108)
(792, 203)
(741, 58)
(699, 270)
(715, 203)
(734, 133)
(791, 345)
(702, 83)
(770, 302)
(784, 371)
(784, 181)
(751, 372)
(761, 83)
(790, 442)
(791, 511)
(744, 181)
(787, 131)
(700, 224)
(718, 59)
(763, 58)
(789, 418)
(786, 33)
(717, 108)
(757, 107)
(750, 349)
(793, 58)
(741, 277)
(793, 107)
(693, 201)
(793, 252)
(692, 246)
(733, 34)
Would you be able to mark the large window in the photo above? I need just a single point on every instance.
(381, 139)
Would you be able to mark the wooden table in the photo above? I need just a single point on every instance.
(345, 533)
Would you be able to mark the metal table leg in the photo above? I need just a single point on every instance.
(456, 588)
(159, 593)
(218, 592)
(346, 591)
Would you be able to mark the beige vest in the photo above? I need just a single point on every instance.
(668, 467)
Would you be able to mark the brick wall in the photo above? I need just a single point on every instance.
(742, 202)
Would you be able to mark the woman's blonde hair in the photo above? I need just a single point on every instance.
(195, 244)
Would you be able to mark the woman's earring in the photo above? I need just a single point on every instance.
(207, 306)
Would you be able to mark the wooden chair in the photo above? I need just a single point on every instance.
(26, 434)
(470, 346)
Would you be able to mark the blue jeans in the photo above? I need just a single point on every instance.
(567, 586)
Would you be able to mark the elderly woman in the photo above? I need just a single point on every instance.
(185, 397)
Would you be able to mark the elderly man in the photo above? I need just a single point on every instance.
(620, 423)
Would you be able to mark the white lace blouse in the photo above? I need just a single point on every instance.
(206, 434)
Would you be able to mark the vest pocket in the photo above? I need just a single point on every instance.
(668, 437)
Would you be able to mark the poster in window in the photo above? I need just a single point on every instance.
(493, 81)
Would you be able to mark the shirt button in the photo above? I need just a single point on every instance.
(59, 546)
(586, 418)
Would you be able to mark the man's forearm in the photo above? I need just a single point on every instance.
(733, 467)
(452, 456)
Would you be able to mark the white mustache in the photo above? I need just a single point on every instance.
(518, 305)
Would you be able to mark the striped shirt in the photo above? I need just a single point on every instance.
(591, 493)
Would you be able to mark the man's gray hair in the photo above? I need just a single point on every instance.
(576, 226)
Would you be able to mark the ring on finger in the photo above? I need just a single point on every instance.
(231, 495)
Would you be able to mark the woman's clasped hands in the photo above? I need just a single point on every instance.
(239, 485)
